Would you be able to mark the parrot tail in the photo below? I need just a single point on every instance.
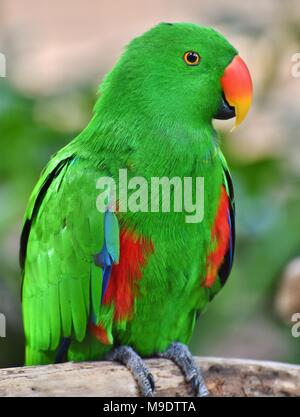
(38, 357)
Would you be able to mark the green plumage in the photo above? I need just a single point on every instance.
(154, 118)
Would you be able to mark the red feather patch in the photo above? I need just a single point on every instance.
(220, 235)
(123, 283)
(100, 333)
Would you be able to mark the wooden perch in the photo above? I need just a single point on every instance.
(224, 377)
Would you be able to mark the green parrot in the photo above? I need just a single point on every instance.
(120, 284)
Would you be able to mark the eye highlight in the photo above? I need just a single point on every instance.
(191, 58)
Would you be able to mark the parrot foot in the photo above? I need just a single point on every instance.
(180, 354)
(128, 357)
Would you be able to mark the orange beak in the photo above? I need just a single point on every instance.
(237, 87)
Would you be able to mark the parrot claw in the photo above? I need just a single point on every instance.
(180, 354)
(199, 386)
(134, 363)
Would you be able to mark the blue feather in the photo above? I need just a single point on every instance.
(109, 253)
(62, 350)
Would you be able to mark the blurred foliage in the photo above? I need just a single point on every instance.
(268, 224)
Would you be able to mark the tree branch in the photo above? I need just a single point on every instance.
(224, 377)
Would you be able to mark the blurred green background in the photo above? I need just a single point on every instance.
(56, 55)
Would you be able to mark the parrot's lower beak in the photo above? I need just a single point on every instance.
(237, 91)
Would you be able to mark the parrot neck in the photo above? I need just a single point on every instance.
(147, 144)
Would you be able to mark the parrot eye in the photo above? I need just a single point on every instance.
(191, 58)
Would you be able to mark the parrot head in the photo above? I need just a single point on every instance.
(182, 72)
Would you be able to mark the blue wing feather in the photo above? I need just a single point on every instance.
(110, 251)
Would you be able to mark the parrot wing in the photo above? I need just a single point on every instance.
(67, 250)
(226, 266)
(221, 251)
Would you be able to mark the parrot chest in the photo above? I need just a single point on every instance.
(169, 291)
(156, 289)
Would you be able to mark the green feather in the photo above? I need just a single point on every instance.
(96, 290)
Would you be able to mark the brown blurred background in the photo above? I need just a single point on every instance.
(57, 53)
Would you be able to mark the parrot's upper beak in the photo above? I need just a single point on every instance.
(237, 91)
